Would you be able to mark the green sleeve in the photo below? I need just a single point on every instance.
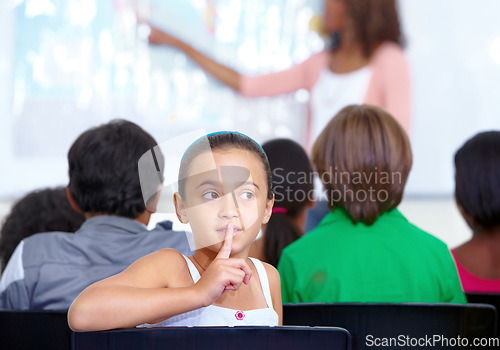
(287, 275)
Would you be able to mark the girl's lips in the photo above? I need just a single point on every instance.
(222, 230)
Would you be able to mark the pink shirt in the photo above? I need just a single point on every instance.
(474, 284)
(389, 85)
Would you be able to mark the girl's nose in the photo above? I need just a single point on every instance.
(228, 206)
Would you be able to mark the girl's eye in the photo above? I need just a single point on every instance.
(247, 195)
(211, 195)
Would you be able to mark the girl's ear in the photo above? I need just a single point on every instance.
(268, 211)
(180, 208)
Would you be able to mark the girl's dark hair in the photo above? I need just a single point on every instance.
(293, 189)
(224, 140)
(477, 178)
(39, 211)
(374, 21)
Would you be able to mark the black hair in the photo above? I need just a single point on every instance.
(223, 141)
(292, 179)
(43, 210)
(477, 178)
(103, 168)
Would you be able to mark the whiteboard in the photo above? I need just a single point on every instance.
(66, 66)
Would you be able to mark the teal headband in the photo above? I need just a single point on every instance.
(222, 132)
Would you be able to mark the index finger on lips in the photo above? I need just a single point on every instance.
(225, 250)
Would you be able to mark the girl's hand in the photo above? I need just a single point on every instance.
(223, 273)
(159, 37)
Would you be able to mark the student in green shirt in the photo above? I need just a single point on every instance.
(365, 250)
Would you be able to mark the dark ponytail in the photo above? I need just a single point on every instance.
(292, 185)
(280, 232)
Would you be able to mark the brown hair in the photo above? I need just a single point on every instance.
(363, 157)
(373, 22)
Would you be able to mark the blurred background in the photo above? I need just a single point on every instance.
(67, 65)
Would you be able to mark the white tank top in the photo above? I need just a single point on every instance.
(332, 92)
(220, 316)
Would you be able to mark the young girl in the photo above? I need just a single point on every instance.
(225, 195)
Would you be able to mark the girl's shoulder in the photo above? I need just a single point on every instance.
(270, 269)
(172, 265)
(165, 260)
(160, 269)
(168, 254)
(272, 275)
(171, 252)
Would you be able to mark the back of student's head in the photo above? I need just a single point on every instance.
(39, 211)
(477, 179)
(292, 179)
(363, 157)
(103, 168)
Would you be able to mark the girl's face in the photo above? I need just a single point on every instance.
(335, 15)
(225, 186)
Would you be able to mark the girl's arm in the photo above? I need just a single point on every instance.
(155, 287)
(137, 295)
(275, 286)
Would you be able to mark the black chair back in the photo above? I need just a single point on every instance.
(486, 298)
(28, 330)
(399, 326)
(216, 338)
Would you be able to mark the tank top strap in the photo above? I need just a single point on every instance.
(195, 274)
(264, 281)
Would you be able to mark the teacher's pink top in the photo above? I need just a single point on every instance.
(388, 86)
(474, 284)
